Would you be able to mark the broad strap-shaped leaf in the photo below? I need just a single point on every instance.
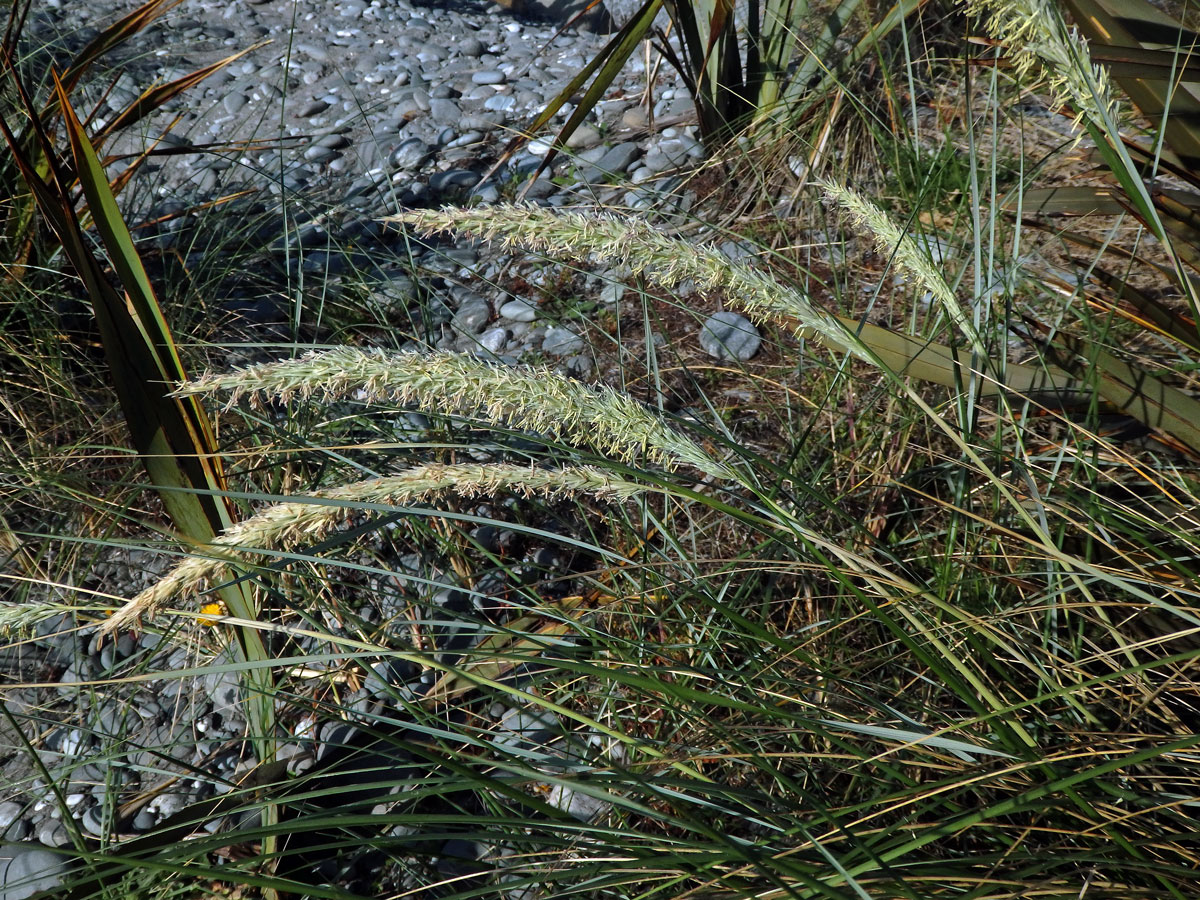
(1138, 62)
(146, 363)
(172, 437)
(1079, 200)
(935, 363)
(171, 434)
(1137, 393)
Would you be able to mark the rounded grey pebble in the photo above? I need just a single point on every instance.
(454, 178)
(487, 194)
(729, 335)
(53, 834)
(410, 154)
(334, 736)
(533, 726)
(13, 826)
(445, 111)
(500, 103)
(618, 159)
(465, 139)
(313, 108)
(144, 821)
(489, 76)
(519, 310)
(494, 339)
(334, 141)
(233, 102)
(471, 47)
(580, 366)
(93, 822)
(26, 869)
(612, 292)
(472, 316)
(317, 153)
(561, 342)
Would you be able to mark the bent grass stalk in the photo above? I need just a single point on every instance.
(669, 261)
(312, 517)
(908, 257)
(1036, 36)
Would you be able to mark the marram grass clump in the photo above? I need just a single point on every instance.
(311, 518)
(532, 398)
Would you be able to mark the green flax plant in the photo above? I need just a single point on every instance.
(61, 213)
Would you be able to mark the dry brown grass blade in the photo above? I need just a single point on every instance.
(153, 98)
(113, 36)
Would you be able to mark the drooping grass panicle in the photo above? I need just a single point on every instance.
(23, 618)
(909, 258)
(311, 518)
(1035, 35)
(529, 397)
(644, 249)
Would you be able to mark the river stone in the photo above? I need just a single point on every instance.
(453, 178)
(494, 339)
(472, 315)
(93, 821)
(26, 869)
(313, 108)
(233, 102)
(583, 136)
(445, 111)
(728, 335)
(612, 293)
(618, 159)
(583, 807)
(519, 310)
(11, 820)
(410, 154)
(471, 46)
(561, 342)
(500, 102)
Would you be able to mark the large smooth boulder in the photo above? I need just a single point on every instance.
(27, 868)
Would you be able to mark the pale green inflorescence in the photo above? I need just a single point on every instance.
(644, 249)
(1035, 34)
(311, 518)
(908, 257)
(529, 397)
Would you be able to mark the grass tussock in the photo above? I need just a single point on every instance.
(906, 606)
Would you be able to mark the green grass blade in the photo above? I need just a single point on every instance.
(606, 66)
